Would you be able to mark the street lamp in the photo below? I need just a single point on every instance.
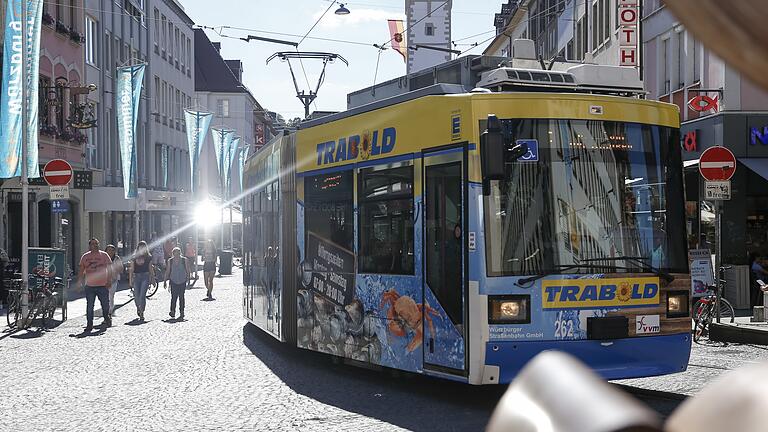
(342, 10)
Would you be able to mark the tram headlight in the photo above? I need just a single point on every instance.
(509, 309)
(677, 304)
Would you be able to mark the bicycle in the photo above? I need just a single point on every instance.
(704, 310)
(43, 301)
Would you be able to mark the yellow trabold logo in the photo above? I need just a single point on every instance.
(587, 293)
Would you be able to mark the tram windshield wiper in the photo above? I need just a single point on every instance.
(559, 268)
(640, 261)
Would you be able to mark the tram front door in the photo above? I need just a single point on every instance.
(444, 311)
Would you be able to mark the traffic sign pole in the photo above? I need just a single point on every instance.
(24, 174)
(718, 164)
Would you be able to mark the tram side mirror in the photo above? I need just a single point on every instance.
(492, 153)
(516, 152)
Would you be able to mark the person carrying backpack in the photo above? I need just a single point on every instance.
(177, 271)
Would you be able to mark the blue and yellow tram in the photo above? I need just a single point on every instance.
(458, 235)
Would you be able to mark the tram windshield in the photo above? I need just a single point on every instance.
(587, 192)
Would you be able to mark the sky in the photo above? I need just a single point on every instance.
(271, 83)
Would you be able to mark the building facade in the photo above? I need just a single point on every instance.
(678, 69)
(121, 38)
(429, 25)
(577, 31)
(61, 84)
(158, 33)
(170, 83)
(219, 89)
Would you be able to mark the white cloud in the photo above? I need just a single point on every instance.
(356, 17)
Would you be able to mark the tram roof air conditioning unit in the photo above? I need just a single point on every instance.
(514, 77)
(606, 77)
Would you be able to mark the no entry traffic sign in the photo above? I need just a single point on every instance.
(58, 172)
(717, 164)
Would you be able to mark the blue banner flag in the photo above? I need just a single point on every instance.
(129, 82)
(243, 157)
(232, 154)
(197, 127)
(11, 98)
(222, 141)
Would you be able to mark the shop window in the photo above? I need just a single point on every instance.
(385, 200)
(328, 208)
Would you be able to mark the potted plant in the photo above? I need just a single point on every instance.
(75, 36)
(61, 27)
(48, 19)
(67, 135)
(80, 138)
(49, 130)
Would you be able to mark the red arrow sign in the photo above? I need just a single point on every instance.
(717, 163)
(57, 172)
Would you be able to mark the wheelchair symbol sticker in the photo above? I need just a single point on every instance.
(533, 150)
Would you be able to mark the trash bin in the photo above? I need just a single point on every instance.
(225, 262)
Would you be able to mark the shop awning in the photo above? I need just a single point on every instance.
(758, 165)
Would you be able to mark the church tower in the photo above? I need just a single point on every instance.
(433, 30)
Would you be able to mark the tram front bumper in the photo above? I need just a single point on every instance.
(614, 359)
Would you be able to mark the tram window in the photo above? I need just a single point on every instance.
(385, 200)
(328, 208)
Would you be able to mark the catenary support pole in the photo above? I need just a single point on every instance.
(24, 180)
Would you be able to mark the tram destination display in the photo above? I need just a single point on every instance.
(333, 275)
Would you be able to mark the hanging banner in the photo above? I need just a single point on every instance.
(129, 82)
(222, 140)
(164, 151)
(243, 157)
(197, 127)
(11, 98)
(232, 154)
(398, 42)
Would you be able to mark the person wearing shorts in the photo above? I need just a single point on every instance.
(209, 266)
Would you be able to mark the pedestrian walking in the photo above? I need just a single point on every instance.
(95, 277)
(141, 274)
(117, 271)
(157, 251)
(168, 246)
(177, 271)
(190, 252)
(209, 266)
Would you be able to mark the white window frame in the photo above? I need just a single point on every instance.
(91, 41)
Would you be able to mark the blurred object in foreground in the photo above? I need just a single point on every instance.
(737, 402)
(734, 30)
(557, 393)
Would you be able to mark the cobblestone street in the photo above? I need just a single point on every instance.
(214, 372)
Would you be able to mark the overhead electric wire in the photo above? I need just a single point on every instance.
(301, 61)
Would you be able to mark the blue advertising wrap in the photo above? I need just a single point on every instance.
(129, 82)
(11, 105)
(222, 141)
(197, 126)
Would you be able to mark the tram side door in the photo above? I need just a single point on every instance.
(444, 287)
